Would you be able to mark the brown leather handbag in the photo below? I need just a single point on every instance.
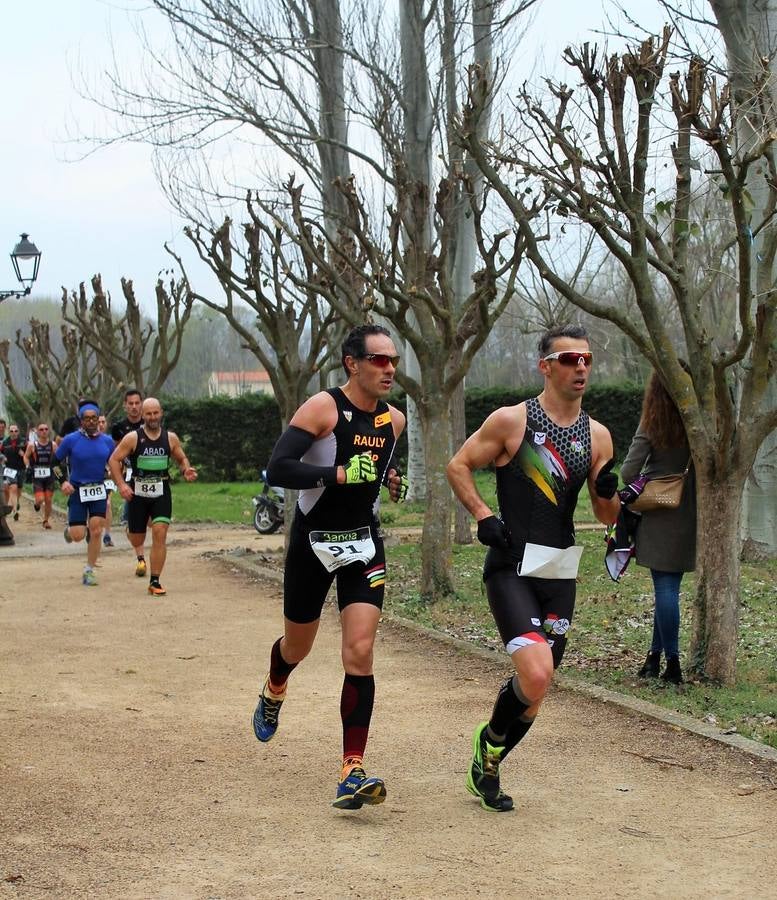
(664, 492)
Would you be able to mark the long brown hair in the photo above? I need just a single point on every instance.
(661, 420)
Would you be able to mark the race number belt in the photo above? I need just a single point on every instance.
(89, 492)
(540, 561)
(10, 473)
(341, 548)
(41, 472)
(149, 487)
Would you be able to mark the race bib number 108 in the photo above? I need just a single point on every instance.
(89, 492)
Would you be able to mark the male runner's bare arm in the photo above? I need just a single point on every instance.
(179, 455)
(605, 508)
(495, 441)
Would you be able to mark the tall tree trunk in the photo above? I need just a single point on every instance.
(436, 566)
(716, 612)
(462, 532)
(749, 31)
(416, 170)
(417, 148)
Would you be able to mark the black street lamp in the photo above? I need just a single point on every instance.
(26, 259)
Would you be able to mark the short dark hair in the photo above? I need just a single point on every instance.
(130, 392)
(355, 344)
(560, 331)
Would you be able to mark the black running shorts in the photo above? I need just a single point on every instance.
(531, 610)
(141, 511)
(306, 581)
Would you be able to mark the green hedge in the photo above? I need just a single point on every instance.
(226, 439)
(232, 439)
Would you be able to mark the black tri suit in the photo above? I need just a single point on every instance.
(334, 535)
(537, 492)
(152, 500)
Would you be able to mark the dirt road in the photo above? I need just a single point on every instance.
(128, 767)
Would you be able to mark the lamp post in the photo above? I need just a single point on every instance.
(25, 257)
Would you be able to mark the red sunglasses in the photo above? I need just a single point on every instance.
(571, 357)
(381, 359)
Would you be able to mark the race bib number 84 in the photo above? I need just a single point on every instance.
(149, 487)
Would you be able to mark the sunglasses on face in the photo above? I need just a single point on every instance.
(571, 357)
(89, 418)
(381, 359)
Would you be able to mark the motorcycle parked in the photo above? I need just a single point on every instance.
(268, 507)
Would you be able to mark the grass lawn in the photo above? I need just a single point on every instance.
(612, 627)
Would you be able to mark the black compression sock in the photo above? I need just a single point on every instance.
(356, 702)
(516, 733)
(279, 668)
(510, 705)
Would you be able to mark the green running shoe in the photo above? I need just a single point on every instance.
(483, 775)
(356, 789)
(89, 578)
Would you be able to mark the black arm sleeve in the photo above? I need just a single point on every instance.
(285, 469)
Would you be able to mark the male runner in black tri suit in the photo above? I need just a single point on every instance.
(133, 403)
(40, 455)
(149, 452)
(543, 450)
(337, 450)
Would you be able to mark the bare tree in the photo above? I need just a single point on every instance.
(59, 376)
(102, 353)
(302, 335)
(130, 348)
(596, 168)
(749, 31)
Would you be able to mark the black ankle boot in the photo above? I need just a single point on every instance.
(651, 666)
(673, 672)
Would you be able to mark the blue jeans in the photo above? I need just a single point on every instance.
(666, 618)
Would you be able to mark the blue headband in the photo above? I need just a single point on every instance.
(88, 407)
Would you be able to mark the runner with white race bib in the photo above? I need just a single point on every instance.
(86, 451)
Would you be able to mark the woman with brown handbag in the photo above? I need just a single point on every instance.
(666, 537)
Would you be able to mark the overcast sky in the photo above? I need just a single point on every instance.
(105, 213)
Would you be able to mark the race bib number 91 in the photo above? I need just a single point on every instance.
(341, 548)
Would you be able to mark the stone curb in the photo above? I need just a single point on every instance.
(633, 705)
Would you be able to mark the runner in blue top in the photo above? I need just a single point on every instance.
(87, 452)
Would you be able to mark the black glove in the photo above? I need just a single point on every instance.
(493, 533)
(606, 483)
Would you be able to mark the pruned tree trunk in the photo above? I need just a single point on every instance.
(711, 650)
(436, 567)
